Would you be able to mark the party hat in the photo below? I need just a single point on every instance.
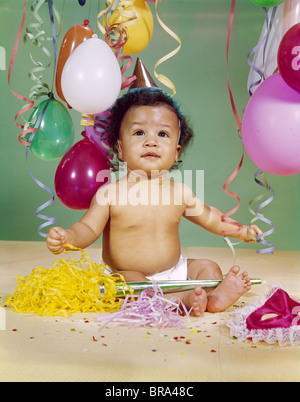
(143, 77)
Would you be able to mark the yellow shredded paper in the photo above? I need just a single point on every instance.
(67, 287)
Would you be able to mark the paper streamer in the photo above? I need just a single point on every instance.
(67, 287)
(260, 238)
(149, 309)
(160, 77)
(262, 42)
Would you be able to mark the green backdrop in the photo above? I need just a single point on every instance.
(199, 73)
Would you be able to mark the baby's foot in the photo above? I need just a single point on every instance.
(229, 291)
(195, 299)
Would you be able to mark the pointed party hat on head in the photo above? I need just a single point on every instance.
(143, 77)
(145, 81)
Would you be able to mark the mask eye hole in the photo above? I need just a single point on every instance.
(267, 316)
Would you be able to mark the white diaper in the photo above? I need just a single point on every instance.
(177, 273)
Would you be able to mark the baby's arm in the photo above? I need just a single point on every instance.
(210, 218)
(83, 233)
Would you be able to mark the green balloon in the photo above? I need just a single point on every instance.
(267, 3)
(55, 133)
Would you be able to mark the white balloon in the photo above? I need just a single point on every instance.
(91, 78)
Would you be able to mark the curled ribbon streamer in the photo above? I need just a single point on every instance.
(99, 135)
(123, 8)
(30, 103)
(260, 238)
(264, 42)
(35, 34)
(160, 77)
(231, 246)
(87, 120)
(49, 220)
(264, 183)
(121, 34)
(233, 175)
(116, 34)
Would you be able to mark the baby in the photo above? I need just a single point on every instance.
(139, 215)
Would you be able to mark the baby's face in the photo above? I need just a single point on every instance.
(148, 139)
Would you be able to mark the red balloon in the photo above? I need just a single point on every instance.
(76, 179)
(288, 57)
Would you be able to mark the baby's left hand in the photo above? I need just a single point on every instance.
(249, 233)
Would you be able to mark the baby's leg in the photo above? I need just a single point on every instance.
(230, 289)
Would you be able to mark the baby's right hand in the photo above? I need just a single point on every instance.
(56, 238)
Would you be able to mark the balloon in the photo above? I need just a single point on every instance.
(291, 14)
(267, 3)
(91, 78)
(76, 179)
(55, 133)
(271, 127)
(140, 32)
(75, 35)
(289, 57)
(81, 2)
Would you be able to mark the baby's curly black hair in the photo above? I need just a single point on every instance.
(145, 97)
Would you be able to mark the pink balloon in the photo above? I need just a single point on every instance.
(271, 127)
(76, 176)
(288, 57)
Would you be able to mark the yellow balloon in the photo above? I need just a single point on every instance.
(139, 33)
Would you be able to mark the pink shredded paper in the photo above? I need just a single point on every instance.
(149, 309)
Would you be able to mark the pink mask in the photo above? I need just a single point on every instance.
(253, 322)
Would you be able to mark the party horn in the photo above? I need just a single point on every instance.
(167, 286)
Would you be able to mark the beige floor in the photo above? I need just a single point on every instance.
(56, 349)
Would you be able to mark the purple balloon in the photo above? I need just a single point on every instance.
(76, 176)
(271, 127)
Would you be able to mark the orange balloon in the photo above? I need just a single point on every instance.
(73, 38)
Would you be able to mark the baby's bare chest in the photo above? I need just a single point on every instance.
(146, 216)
